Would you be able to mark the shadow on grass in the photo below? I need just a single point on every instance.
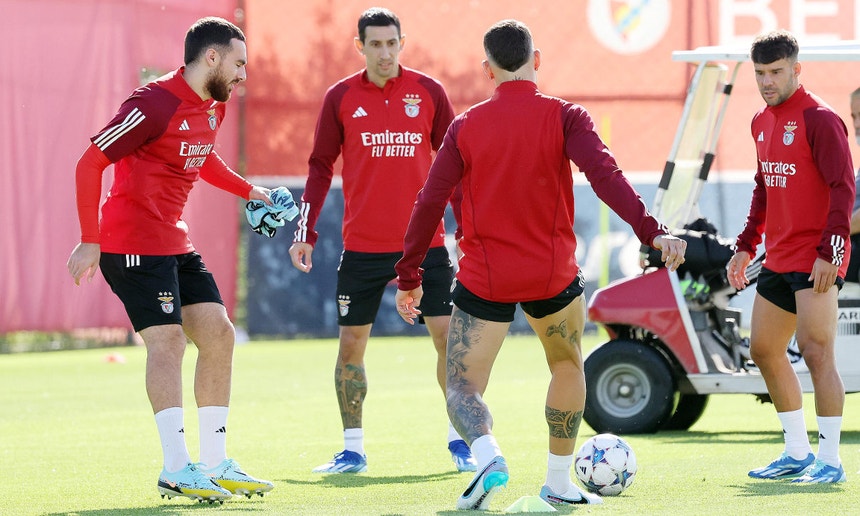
(782, 487)
(559, 509)
(726, 437)
(749, 437)
(339, 480)
(175, 506)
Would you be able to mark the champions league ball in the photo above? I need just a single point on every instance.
(605, 464)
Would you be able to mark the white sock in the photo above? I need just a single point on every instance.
(353, 440)
(794, 433)
(485, 448)
(452, 433)
(171, 431)
(558, 472)
(829, 433)
(213, 435)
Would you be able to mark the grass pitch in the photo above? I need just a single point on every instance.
(77, 438)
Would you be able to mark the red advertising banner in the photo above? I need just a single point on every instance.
(612, 56)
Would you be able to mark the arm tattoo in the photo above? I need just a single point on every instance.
(351, 386)
(563, 423)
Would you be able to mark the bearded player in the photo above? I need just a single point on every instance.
(161, 141)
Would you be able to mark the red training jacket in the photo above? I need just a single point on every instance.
(804, 186)
(161, 140)
(387, 136)
(511, 153)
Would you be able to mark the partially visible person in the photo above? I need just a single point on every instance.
(801, 203)
(386, 120)
(161, 141)
(511, 155)
(852, 275)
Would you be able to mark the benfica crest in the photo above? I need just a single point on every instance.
(788, 135)
(166, 299)
(343, 305)
(213, 122)
(411, 108)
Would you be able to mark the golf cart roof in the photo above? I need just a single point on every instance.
(848, 50)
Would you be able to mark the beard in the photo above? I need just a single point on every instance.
(218, 86)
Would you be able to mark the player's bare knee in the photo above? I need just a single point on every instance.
(350, 354)
(221, 332)
(818, 357)
(164, 340)
(569, 368)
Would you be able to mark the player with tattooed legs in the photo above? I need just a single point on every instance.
(511, 155)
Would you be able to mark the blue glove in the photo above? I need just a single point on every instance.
(266, 218)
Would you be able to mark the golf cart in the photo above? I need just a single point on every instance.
(674, 337)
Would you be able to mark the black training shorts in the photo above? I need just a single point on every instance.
(504, 312)
(779, 288)
(154, 288)
(362, 277)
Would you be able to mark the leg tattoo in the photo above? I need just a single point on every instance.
(561, 329)
(574, 338)
(467, 410)
(563, 424)
(351, 387)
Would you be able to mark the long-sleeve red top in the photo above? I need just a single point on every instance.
(161, 140)
(386, 136)
(804, 186)
(511, 154)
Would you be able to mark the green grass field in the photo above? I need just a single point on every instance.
(77, 437)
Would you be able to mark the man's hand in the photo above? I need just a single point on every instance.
(84, 261)
(736, 270)
(300, 254)
(823, 275)
(258, 193)
(673, 249)
(407, 302)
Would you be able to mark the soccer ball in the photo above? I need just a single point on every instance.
(605, 464)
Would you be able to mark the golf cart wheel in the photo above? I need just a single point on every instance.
(630, 388)
(689, 409)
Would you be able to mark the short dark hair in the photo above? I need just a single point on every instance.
(773, 46)
(508, 44)
(210, 32)
(376, 17)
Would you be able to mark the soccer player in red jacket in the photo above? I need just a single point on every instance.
(802, 200)
(511, 156)
(386, 120)
(161, 141)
